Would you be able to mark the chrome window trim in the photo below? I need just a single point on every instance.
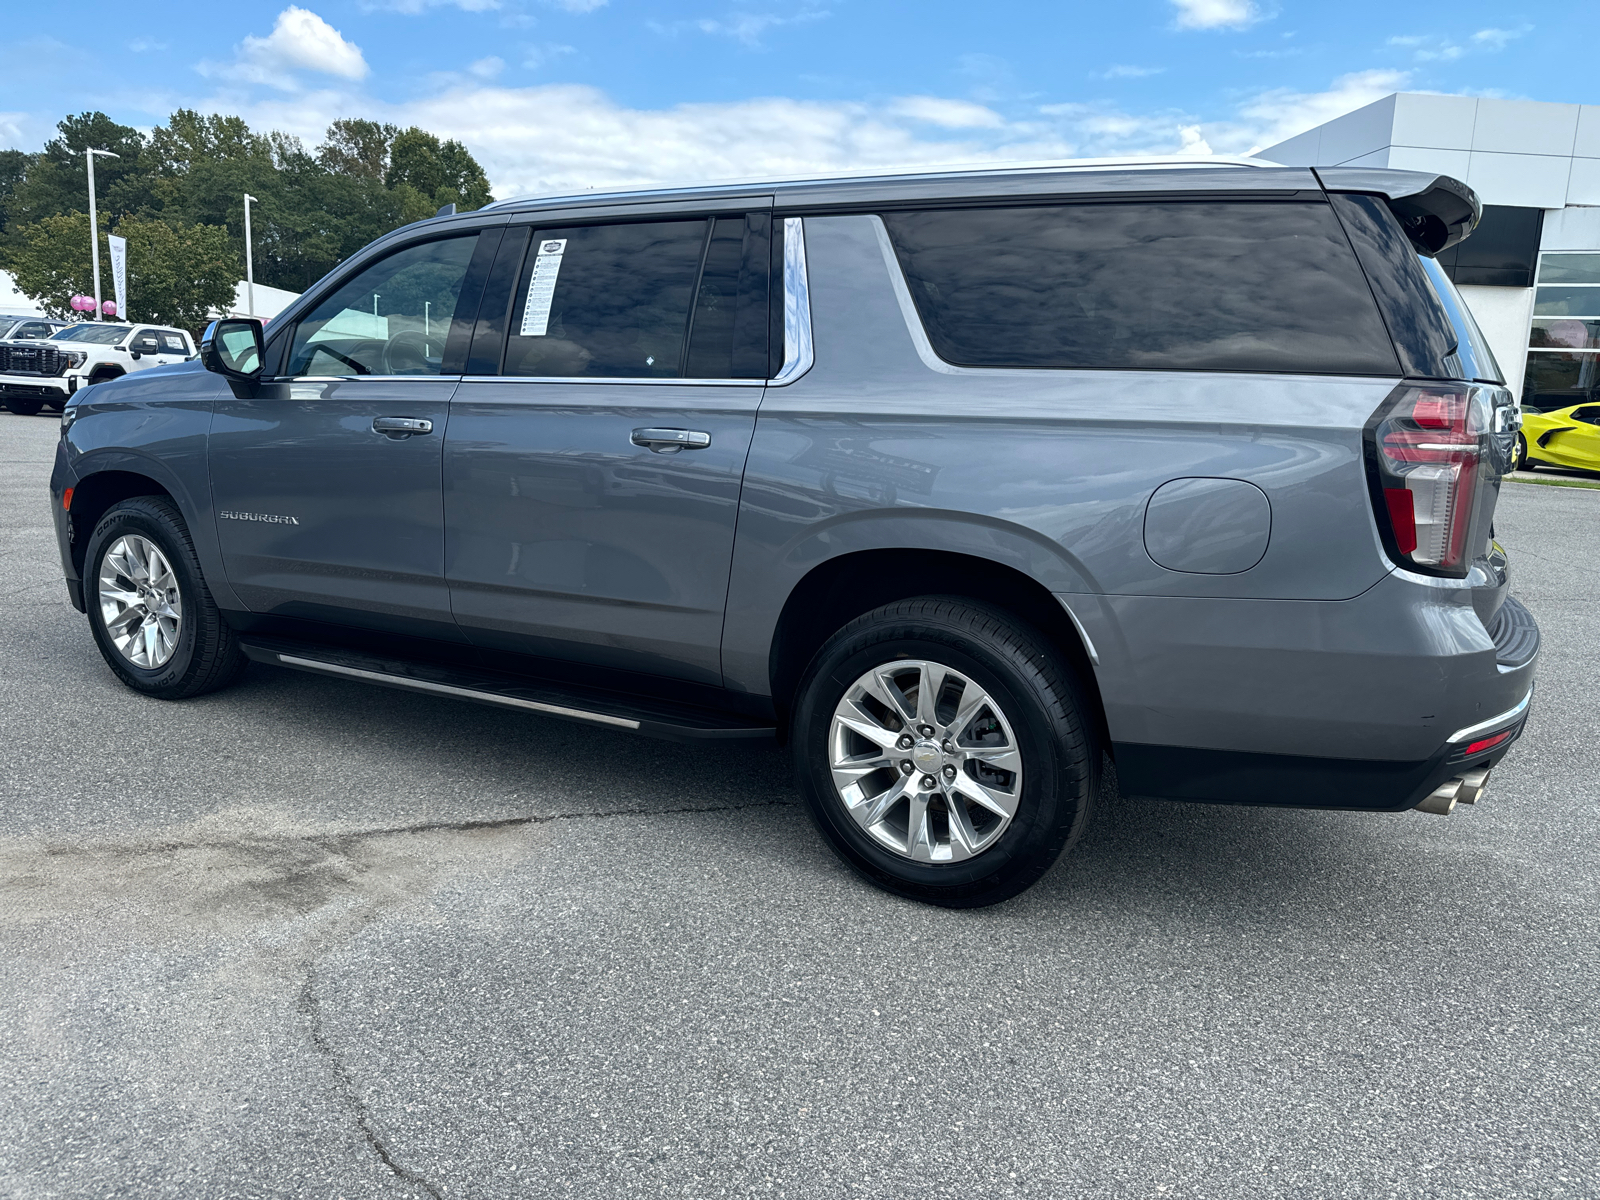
(798, 355)
(1492, 724)
(630, 380)
(363, 378)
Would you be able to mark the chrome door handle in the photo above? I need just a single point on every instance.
(398, 427)
(670, 441)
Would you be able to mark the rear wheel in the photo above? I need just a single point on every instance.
(149, 608)
(943, 751)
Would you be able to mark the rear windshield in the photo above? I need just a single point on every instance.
(1472, 348)
(98, 335)
(1213, 285)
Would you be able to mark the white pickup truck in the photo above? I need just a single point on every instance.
(44, 373)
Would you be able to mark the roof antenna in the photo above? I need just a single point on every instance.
(447, 210)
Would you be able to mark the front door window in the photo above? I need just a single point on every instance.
(391, 319)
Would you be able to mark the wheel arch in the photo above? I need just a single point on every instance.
(106, 372)
(93, 496)
(836, 591)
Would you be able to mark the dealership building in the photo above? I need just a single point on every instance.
(1531, 270)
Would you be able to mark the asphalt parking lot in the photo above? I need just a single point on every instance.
(309, 938)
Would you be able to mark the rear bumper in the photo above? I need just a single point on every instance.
(1348, 704)
(1296, 781)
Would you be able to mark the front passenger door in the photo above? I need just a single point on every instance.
(326, 483)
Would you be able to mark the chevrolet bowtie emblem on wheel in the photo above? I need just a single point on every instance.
(269, 518)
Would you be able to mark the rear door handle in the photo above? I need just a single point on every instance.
(670, 441)
(400, 426)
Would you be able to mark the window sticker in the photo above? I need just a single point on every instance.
(542, 287)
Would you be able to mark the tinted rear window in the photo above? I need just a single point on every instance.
(1176, 285)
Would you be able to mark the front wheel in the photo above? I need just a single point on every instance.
(149, 608)
(943, 750)
(1522, 463)
(25, 408)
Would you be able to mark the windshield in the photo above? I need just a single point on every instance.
(7, 326)
(98, 335)
(1477, 360)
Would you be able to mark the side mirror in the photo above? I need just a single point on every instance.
(234, 349)
(135, 355)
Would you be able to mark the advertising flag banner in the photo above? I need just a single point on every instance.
(119, 272)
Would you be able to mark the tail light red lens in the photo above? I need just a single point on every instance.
(1429, 451)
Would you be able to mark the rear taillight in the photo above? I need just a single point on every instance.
(1429, 451)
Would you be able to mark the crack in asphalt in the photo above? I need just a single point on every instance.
(337, 841)
(311, 1008)
(349, 879)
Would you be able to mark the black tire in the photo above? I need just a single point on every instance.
(1042, 700)
(1522, 463)
(207, 656)
(25, 408)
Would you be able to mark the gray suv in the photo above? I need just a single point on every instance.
(955, 483)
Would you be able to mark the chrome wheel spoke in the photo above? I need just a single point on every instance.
(868, 726)
(884, 689)
(932, 770)
(963, 837)
(874, 810)
(997, 802)
(919, 843)
(1001, 758)
(930, 682)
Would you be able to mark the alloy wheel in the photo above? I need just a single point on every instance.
(925, 761)
(139, 601)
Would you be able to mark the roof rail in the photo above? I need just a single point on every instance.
(1042, 166)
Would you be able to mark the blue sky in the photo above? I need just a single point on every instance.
(567, 94)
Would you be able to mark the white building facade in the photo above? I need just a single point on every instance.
(1531, 270)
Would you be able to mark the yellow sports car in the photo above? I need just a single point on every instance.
(1566, 437)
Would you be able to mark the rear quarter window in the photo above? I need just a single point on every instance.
(1173, 285)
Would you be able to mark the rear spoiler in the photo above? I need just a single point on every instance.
(1436, 211)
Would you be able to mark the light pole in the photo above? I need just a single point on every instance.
(94, 227)
(249, 258)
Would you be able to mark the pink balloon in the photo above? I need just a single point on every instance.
(77, 304)
(109, 308)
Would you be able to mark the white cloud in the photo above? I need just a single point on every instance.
(300, 40)
(141, 45)
(1127, 72)
(413, 7)
(947, 114)
(487, 68)
(1215, 14)
(1496, 39)
(568, 138)
(577, 6)
(1438, 48)
(1277, 115)
(535, 57)
(746, 27)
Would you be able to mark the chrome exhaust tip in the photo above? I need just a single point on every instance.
(1463, 789)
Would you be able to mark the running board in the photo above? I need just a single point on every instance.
(566, 702)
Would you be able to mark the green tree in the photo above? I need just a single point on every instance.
(442, 172)
(55, 181)
(13, 170)
(174, 275)
(357, 147)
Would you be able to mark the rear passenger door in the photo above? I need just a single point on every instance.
(596, 446)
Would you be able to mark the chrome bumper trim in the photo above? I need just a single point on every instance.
(1493, 723)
